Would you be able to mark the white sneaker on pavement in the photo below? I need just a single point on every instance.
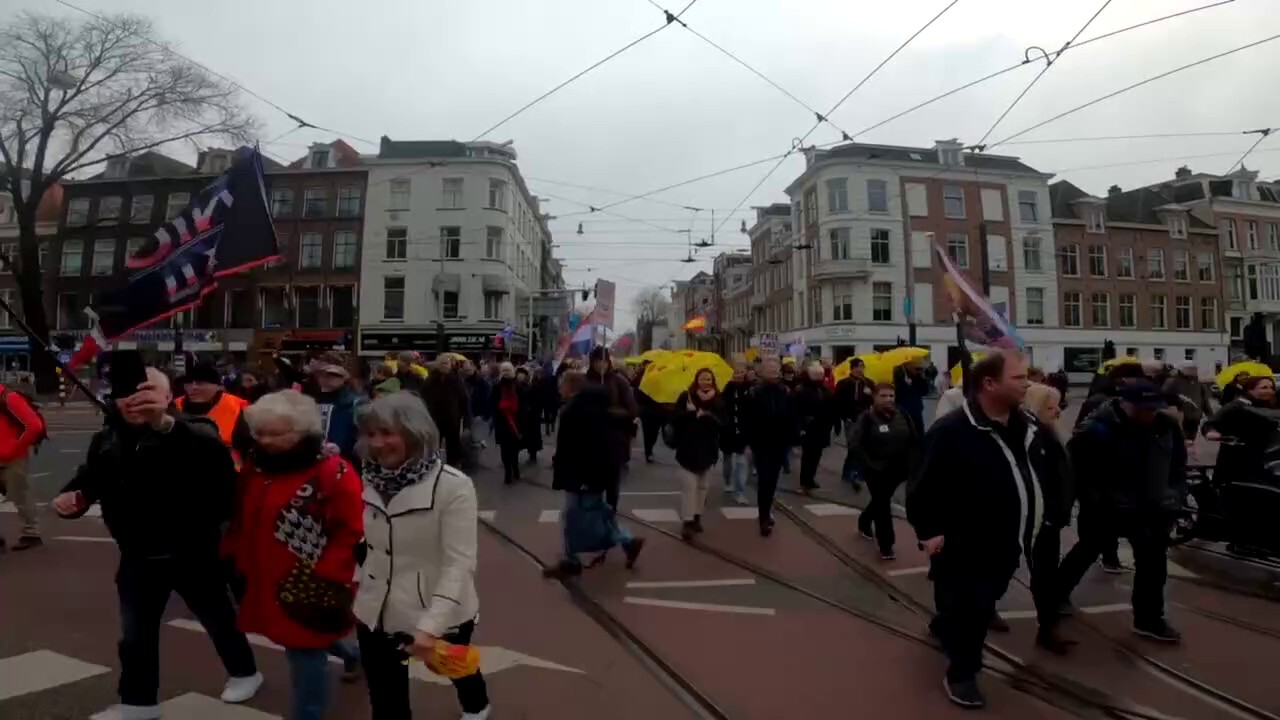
(240, 689)
(129, 712)
(482, 715)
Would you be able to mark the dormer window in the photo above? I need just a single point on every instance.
(116, 168)
(1095, 220)
(949, 156)
(1177, 226)
(1240, 190)
(320, 158)
(216, 163)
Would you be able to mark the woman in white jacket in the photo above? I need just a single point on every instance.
(417, 581)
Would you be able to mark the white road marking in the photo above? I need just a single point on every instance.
(657, 515)
(549, 516)
(8, 507)
(194, 706)
(41, 670)
(488, 515)
(650, 492)
(908, 571)
(71, 451)
(1093, 610)
(726, 582)
(707, 607)
(40, 475)
(830, 509)
(83, 538)
(740, 513)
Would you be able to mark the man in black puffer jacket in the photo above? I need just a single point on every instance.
(773, 428)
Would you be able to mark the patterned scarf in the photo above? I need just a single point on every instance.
(390, 481)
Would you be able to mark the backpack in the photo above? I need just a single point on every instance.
(12, 429)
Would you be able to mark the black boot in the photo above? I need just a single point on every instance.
(697, 523)
(1053, 641)
(632, 550)
(687, 530)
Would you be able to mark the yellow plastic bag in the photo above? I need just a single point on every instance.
(453, 661)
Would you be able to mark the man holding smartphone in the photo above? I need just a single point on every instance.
(165, 485)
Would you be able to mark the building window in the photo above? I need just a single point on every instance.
(72, 257)
(104, 257)
(6, 321)
(451, 197)
(877, 196)
(397, 243)
(1031, 253)
(1071, 260)
(307, 301)
(393, 298)
(315, 202)
(344, 250)
(1034, 314)
(953, 201)
(1098, 260)
(281, 202)
(140, 208)
(958, 249)
(837, 195)
(1208, 313)
(78, 211)
(1159, 306)
(451, 242)
(842, 303)
(815, 303)
(176, 203)
(1155, 264)
(497, 194)
(1235, 282)
(311, 251)
(1095, 221)
(1028, 206)
(1182, 312)
(109, 210)
(342, 306)
(1100, 309)
(1251, 234)
(135, 244)
(1128, 304)
(880, 246)
(493, 306)
(1237, 326)
(1071, 309)
(1124, 263)
(349, 201)
(493, 242)
(1178, 227)
(1181, 266)
(1251, 274)
(450, 305)
(400, 190)
(68, 311)
(275, 308)
(882, 302)
(1232, 243)
(1204, 267)
(319, 158)
(839, 243)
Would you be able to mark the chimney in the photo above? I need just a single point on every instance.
(1182, 173)
(949, 152)
(1113, 191)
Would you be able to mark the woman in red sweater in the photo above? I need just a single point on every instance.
(298, 520)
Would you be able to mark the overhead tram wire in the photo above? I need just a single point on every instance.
(609, 212)
(1263, 134)
(1135, 86)
(799, 142)
(301, 123)
(1149, 136)
(1048, 63)
(1150, 161)
(669, 19)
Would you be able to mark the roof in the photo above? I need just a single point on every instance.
(925, 157)
(150, 164)
(344, 156)
(776, 210)
(1138, 206)
(1061, 195)
(389, 149)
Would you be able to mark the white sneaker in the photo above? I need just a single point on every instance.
(129, 712)
(240, 689)
(482, 715)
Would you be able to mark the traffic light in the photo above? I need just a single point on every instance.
(586, 294)
(1108, 350)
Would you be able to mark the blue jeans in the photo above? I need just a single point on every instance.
(735, 467)
(621, 535)
(309, 682)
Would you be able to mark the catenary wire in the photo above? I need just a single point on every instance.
(1149, 136)
(669, 19)
(1263, 134)
(1134, 86)
(1047, 64)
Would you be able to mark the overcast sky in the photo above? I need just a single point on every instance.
(673, 108)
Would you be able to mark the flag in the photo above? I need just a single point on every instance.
(698, 323)
(979, 320)
(226, 229)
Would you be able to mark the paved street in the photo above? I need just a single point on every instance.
(807, 623)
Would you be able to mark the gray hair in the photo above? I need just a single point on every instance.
(299, 410)
(404, 414)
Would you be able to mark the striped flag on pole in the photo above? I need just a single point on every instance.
(980, 322)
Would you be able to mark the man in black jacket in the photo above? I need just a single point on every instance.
(165, 485)
(446, 397)
(976, 505)
(772, 428)
(1130, 466)
(882, 439)
(853, 397)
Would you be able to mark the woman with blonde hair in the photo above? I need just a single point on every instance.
(1043, 403)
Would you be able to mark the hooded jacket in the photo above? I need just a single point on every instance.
(853, 397)
(697, 438)
(815, 412)
(883, 443)
(1121, 465)
(584, 460)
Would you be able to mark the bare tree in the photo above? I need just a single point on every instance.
(651, 305)
(75, 95)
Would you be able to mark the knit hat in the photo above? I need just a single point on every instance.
(203, 372)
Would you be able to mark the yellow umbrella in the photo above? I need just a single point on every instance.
(665, 379)
(633, 360)
(415, 369)
(654, 355)
(751, 354)
(1252, 368)
(1105, 367)
(903, 355)
(956, 375)
(788, 360)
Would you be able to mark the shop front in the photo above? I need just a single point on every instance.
(381, 342)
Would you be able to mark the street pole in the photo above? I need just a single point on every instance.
(179, 359)
(908, 250)
(986, 264)
(441, 342)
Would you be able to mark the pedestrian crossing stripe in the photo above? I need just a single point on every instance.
(194, 706)
(830, 509)
(669, 515)
(40, 670)
(9, 507)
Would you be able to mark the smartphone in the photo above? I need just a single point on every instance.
(127, 372)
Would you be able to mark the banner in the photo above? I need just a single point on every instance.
(979, 321)
(606, 292)
(226, 229)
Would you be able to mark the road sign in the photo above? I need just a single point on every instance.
(769, 344)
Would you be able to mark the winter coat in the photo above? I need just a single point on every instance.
(733, 422)
(697, 438)
(1230, 392)
(506, 430)
(978, 486)
(420, 570)
(815, 412)
(410, 381)
(224, 410)
(623, 410)
(883, 444)
(338, 419)
(585, 459)
(317, 492)
(951, 400)
(1193, 390)
(1256, 441)
(447, 401)
(1091, 404)
(853, 397)
(773, 425)
(529, 418)
(162, 493)
(480, 396)
(1060, 382)
(909, 393)
(1058, 480)
(1121, 465)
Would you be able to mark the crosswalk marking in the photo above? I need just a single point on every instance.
(41, 670)
(9, 507)
(194, 706)
(829, 509)
(657, 515)
(488, 515)
(706, 607)
(549, 516)
(740, 513)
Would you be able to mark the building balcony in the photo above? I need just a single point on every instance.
(758, 299)
(842, 269)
